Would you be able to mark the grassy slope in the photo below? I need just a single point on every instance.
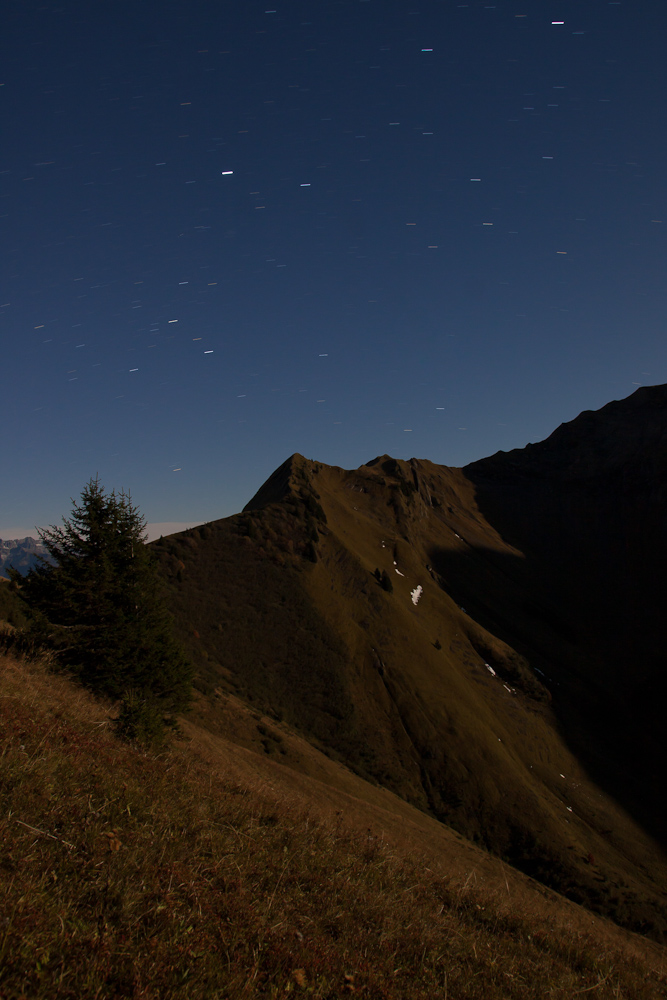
(321, 646)
(207, 871)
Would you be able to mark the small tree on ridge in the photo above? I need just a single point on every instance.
(99, 609)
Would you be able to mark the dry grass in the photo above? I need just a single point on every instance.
(127, 874)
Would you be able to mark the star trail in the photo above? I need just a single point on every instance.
(343, 228)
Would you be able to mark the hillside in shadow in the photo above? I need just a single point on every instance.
(586, 510)
(612, 723)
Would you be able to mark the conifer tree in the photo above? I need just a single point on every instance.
(99, 609)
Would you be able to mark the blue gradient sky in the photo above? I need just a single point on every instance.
(444, 234)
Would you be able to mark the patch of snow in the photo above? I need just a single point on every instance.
(399, 572)
(416, 593)
(569, 809)
(508, 688)
(490, 669)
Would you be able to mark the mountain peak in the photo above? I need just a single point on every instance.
(21, 553)
(279, 484)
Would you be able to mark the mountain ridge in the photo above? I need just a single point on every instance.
(606, 435)
(472, 701)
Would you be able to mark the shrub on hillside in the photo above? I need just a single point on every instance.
(310, 552)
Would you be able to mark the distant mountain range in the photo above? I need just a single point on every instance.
(21, 553)
(485, 642)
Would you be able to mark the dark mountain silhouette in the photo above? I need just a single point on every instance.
(587, 508)
(509, 682)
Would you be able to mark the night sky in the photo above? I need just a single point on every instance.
(233, 231)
